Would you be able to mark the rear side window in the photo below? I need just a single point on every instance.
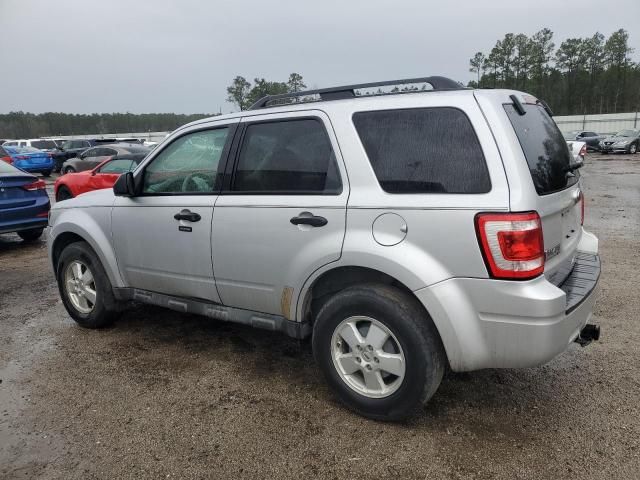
(423, 150)
(287, 157)
(544, 148)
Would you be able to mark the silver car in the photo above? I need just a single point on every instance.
(404, 232)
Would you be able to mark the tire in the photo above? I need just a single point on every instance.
(413, 334)
(31, 235)
(46, 173)
(63, 193)
(102, 310)
(633, 148)
(68, 170)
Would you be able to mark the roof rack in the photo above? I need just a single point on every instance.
(349, 91)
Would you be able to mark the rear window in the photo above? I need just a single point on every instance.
(423, 150)
(544, 147)
(44, 144)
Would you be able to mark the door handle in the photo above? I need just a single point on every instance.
(187, 215)
(312, 220)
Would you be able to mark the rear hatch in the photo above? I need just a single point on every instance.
(558, 199)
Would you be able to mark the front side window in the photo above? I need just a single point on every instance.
(188, 165)
(423, 150)
(92, 152)
(287, 157)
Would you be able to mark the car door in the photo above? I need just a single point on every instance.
(281, 214)
(91, 158)
(162, 236)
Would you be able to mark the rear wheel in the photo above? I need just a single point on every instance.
(379, 351)
(63, 193)
(84, 287)
(46, 173)
(31, 235)
(68, 170)
(633, 148)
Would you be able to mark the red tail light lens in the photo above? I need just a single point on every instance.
(37, 185)
(583, 151)
(7, 159)
(22, 157)
(512, 244)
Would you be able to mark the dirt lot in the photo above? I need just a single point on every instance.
(177, 396)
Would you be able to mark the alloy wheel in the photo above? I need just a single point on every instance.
(368, 356)
(80, 286)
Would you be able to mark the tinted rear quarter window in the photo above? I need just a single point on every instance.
(544, 147)
(423, 150)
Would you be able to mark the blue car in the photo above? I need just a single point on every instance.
(24, 203)
(31, 159)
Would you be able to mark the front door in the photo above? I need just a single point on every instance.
(162, 236)
(282, 214)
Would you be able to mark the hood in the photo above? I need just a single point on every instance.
(96, 198)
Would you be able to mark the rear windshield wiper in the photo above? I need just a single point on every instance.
(573, 166)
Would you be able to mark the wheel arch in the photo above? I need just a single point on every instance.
(87, 230)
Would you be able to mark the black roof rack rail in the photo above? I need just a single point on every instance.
(348, 91)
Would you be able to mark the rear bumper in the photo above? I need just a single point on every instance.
(487, 323)
(29, 224)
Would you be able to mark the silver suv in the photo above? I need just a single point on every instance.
(404, 232)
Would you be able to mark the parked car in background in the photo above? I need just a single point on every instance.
(24, 203)
(30, 159)
(92, 157)
(103, 176)
(592, 139)
(625, 141)
(43, 144)
(578, 150)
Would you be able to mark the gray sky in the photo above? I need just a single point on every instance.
(82, 56)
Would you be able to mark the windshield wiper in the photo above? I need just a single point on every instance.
(573, 167)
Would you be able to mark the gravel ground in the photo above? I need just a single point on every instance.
(177, 396)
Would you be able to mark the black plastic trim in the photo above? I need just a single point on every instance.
(582, 281)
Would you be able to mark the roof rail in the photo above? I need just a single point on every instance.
(349, 91)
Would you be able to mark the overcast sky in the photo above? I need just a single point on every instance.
(82, 56)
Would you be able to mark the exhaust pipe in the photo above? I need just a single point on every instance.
(588, 334)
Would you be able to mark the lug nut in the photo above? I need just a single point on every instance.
(358, 359)
(375, 359)
(370, 348)
(368, 367)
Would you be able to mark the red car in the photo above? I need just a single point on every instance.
(103, 176)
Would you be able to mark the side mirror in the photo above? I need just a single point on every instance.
(125, 185)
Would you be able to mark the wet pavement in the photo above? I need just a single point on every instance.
(168, 395)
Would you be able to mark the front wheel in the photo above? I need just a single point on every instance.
(63, 193)
(379, 351)
(84, 287)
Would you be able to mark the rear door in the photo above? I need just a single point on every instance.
(556, 194)
(282, 214)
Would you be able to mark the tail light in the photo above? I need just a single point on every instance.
(50, 155)
(583, 151)
(7, 159)
(22, 157)
(581, 200)
(512, 244)
(37, 185)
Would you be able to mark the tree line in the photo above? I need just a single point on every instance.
(582, 76)
(50, 124)
(243, 94)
